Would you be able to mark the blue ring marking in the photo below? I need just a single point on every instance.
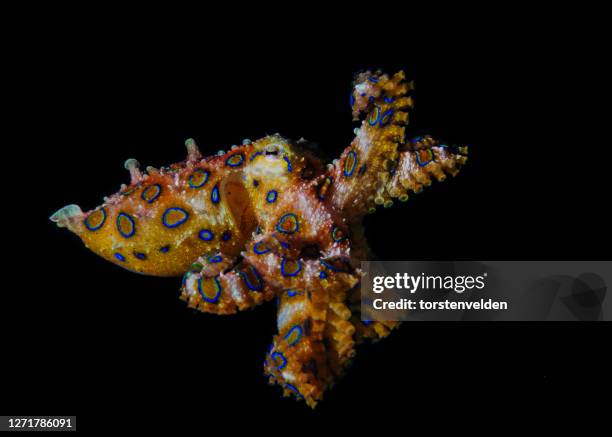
(140, 255)
(258, 250)
(295, 273)
(386, 117)
(289, 167)
(331, 267)
(145, 192)
(206, 235)
(255, 155)
(352, 100)
(229, 161)
(388, 99)
(217, 286)
(245, 278)
(180, 222)
(366, 322)
(294, 389)
(290, 333)
(255, 183)
(164, 249)
(214, 195)
(362, 94)
(226, 235)
(352, 170)
(131, 220)
(373, 79)
(377, 112)
(292, 292)
(215, 259)
(335, 236)
(418, 158)
(271, 196)
(95, 228)
(119, 257)
(278, 354)
(283, 219)
(201, 184)
(322, 275)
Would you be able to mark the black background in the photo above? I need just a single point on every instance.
(92, 339)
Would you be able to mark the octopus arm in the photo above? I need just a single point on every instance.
(380, 165)
(314, 343)
(381, 103)
(420, 161)
(220, 284)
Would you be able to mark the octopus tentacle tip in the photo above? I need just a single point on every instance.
(193, 152)
(63, 216)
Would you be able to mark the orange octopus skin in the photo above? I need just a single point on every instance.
(268, 219)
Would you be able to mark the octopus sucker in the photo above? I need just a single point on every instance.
(269, 219)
